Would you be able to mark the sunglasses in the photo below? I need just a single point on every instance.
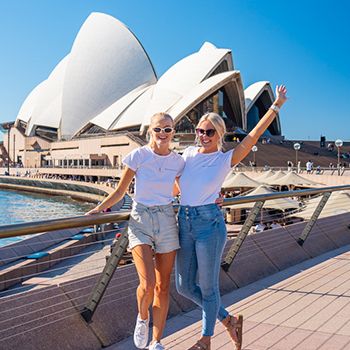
(208, 132)
(167, 130)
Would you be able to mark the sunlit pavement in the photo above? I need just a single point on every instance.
(304, 307)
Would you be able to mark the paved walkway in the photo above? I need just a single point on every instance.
(306, 307)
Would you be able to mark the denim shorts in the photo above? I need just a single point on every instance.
(155, 226)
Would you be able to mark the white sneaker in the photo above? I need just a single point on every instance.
(141, 333)
(156, 346)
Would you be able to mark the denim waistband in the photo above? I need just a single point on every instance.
(153, 208)
(199, 208)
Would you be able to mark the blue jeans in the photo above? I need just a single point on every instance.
(202, 233)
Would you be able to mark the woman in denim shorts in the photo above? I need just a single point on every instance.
(152, 229)
(202, 228)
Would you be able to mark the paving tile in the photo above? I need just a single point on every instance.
(301, 311)
(313, 342)
(336, 342)
(291, 340)
(326, 319)
(253, 337)
(345, 330)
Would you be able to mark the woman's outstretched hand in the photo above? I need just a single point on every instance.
(281, 95)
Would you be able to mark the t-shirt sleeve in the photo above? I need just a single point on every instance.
(132, 160)
(187, 152)
(181, 167)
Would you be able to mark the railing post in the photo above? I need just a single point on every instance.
(314, 217)
(249, 222)
(105, 277)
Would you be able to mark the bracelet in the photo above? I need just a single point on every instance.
(275, 108)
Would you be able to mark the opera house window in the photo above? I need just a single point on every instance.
(217, 103)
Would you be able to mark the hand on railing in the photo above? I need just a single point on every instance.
(93, 211)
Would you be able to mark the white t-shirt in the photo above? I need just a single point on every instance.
(155, 175)
(203, 176)
(260, 227)
(309, 166)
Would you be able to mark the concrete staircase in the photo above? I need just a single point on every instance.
(275, 154)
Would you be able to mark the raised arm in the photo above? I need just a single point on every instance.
(117, 194)
(243, 149)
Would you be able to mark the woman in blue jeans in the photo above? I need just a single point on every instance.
(202, 227)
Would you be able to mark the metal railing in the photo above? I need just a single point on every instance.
(60, 224)
(81, 221)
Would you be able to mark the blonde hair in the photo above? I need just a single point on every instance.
(218, 124)
(156, 117)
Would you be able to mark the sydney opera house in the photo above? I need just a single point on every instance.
(96, 104)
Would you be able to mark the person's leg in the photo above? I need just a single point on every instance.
(186, 268)
(186, 264)
(211, 239)
(209, 248)
(143, 259)
(164, 265)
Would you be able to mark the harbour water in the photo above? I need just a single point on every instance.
(17, 207)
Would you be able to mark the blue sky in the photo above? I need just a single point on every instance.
(303, 44)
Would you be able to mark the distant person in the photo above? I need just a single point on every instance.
(260, 227)
(330, 147)
(308, 167)
(289, 165)
(275, 224)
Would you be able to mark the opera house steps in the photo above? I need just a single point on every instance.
(277, 155)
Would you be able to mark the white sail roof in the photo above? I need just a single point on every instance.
(184, 76)
(133, 115)
(252, 93)
(28, 105)
(111, 114)
(48, 107)
(106, 63)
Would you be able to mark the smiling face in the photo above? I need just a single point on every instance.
(161, 130)
(208, 143)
